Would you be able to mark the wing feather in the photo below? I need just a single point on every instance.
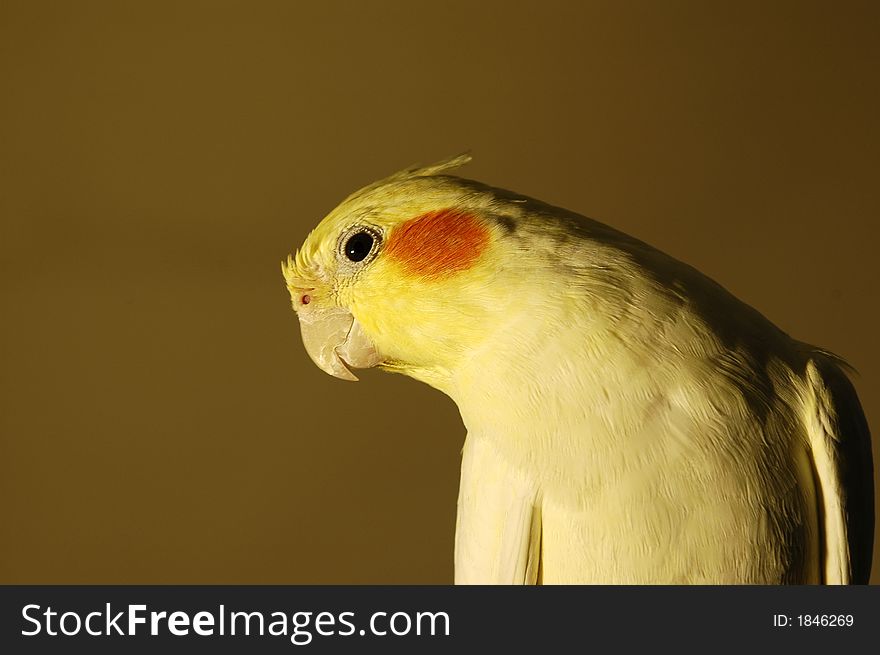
(498, 528)
(844, 470)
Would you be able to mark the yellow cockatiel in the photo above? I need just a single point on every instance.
(628, 420)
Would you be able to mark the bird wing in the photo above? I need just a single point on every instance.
(498, 527)
(842, 460)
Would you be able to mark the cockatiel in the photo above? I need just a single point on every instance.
(628, 420)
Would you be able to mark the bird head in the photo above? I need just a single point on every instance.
(398, 276)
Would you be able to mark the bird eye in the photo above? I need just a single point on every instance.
(359, 246)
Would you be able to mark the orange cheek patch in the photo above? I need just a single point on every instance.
(438, 243)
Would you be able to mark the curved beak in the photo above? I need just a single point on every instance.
(336, 342)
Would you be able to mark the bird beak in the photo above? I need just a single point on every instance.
(336, 342)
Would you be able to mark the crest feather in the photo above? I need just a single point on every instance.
(435, 169)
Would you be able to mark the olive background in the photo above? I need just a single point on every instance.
(160, 421)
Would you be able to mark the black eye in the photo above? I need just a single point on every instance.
(358, 246)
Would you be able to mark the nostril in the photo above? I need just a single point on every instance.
(306, 299)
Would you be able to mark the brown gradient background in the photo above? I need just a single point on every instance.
(160, 421)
